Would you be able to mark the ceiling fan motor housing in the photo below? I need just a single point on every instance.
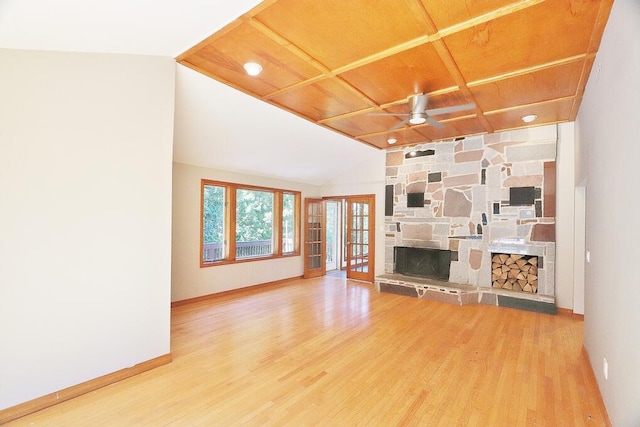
(416, 118)
(418, 103)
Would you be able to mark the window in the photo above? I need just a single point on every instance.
(213, 230)
(254, 223)
(288, 223)
(241, 223)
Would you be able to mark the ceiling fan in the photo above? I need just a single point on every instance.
(419, 113)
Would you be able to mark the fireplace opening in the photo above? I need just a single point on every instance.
(422, 262)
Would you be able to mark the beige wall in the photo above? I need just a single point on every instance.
(607, 138)
(364, 178)
(187, 278)
(85, 217)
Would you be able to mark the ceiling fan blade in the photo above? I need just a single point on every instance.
(452, 109)
(418, 103)
(433, 122)
(398, 125)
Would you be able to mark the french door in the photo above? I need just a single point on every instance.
(314, 241)
(360, 244)
(360, 237)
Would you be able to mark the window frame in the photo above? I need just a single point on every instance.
(229, 238)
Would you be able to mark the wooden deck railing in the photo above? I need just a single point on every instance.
(256, 248)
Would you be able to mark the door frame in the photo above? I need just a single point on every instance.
(371, 198)
(313, 240)
(352, 270)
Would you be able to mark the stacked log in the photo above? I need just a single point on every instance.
(515, 272)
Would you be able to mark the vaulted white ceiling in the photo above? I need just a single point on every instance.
(145, 27)
(216, 126)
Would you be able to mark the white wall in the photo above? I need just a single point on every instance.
(608, 135)
(579, 250)
(365, 178)
(188, 279)
(85, 217)
(564, 279)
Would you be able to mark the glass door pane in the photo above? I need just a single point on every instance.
(332, 226)
(314, 238)
(360, 253)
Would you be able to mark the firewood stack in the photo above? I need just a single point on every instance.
(516, 272)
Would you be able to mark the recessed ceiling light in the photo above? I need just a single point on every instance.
(252, 68)
(413, 153)
(529, 118)
(392, 140)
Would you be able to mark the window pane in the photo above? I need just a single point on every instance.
(288, 223)
(254, 223)
(213, 223)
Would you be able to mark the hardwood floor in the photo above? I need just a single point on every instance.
(331, 352)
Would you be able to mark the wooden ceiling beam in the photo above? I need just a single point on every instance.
(489, 16)
(451, 65)
(528, 70)
(288, 44)
(525, 106)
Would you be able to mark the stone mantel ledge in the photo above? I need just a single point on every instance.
(520, 247)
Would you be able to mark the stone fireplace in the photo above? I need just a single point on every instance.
(476, 197)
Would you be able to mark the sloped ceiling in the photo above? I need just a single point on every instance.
(334, 62)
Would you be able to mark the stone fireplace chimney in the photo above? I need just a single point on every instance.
(478, 197)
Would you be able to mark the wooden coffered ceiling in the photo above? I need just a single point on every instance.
(334, 62)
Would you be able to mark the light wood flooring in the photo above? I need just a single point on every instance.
(331, 352)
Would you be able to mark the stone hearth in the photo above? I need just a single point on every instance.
(459, 294)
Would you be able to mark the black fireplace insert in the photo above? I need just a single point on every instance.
(422, 262)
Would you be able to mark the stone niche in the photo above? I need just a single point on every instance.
(484, 194)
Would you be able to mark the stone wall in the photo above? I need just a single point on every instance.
(466, 185)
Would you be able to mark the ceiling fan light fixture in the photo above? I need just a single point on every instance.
(392, 140)
(252, 68)
(417, 118)
(529, 118)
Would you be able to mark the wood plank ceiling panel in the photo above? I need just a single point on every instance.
(549, 112)
(417, 70)
(543, 85)
(405, 136)
(334, 62)
(541, 34)
(447, 13)
(452, 128)
(339, 32)
(223, 58)
(320, 100)
(362, 124)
